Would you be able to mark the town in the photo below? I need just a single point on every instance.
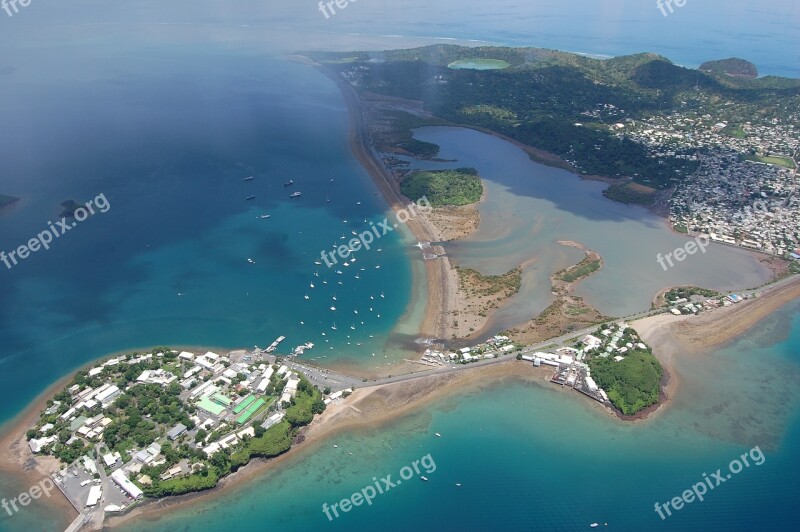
(743, 192)
(169, 422)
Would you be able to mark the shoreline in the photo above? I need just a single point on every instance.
(374, 407)
(670, 336)
(439, 300)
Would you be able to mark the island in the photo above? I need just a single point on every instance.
(7, 201)
(167, 423)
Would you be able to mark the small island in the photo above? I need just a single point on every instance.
(5, 201)
(733, 67)
(167, 423)
(68, 208)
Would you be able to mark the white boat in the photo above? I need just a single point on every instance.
(306, 296)
(378, 267)
(333, 326)
(265, 216)
(333, 297)
(333, 308)
(594, 525)
(248, 178)
(318, 263)
(424, 478)
(438, 435)
(251, 261)
(353, 327)
(311, 285)
(295, 195)
(383, 296)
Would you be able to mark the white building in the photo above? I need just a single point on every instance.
(95, 492)
(123, 482)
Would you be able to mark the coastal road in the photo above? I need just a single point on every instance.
(340, 381)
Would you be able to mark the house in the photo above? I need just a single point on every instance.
(107, 396)
(176, 431)
(111, 458)
(274, 419)
(37, 445)
(591, 342)
(291, 386)
(157, 376)
(262, 386)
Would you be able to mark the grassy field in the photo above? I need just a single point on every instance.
(785, 162)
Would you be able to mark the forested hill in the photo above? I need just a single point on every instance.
(567, 104)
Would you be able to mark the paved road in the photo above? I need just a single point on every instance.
(340, 381)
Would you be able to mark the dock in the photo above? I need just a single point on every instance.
(274, 345)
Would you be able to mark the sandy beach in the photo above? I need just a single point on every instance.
(440, 285)
(673, 336)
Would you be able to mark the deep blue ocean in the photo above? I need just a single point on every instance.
(165, 107)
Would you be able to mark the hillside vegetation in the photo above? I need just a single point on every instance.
(461, 186)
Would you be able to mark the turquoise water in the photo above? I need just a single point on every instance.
(167, 264)
(530, 457)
